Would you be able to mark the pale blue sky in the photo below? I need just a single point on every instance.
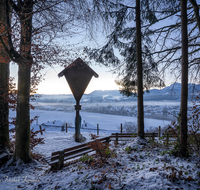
(54, 85)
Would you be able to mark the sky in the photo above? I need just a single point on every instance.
(55, 85)
(52, 84)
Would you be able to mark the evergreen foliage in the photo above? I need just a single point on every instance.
(121, 44)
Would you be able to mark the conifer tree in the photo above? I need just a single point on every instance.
(139, 71)
(184, 80)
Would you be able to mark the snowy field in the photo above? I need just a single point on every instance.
(109, 123)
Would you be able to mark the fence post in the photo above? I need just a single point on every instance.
(66, 127)
(167, 138)
(97, 129)
(116, 138)
(61, 159)
(159, 131)
(153, 136)
(41, 130)
(121, 127)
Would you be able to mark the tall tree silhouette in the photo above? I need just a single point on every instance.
(140, 117)
(184, 80)
(4, 77)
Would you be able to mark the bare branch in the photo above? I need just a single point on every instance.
(196, 11)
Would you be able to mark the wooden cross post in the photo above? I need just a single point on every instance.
(77, 127)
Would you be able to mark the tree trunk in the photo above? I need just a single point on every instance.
(22, 142)
(4, 78)
(139, 72)
(184, 80)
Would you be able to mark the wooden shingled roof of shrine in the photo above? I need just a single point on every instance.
(78, 75)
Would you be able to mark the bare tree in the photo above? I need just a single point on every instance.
(196, 11)
(4, 77)
(31, 44)
(167, 44)
(22, 141)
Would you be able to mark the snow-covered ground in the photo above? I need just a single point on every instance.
(57, 140)
(144, 167)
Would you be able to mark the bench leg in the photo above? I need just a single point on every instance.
(116, 141)
(61, 160)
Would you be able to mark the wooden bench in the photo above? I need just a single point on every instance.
(56, 160)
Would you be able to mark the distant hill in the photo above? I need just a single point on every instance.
(175, 89)
(105, 92)
(172, 92)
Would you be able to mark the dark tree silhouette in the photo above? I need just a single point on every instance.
(4, 77)
(139, 71)
(184, 80)
(31, 44)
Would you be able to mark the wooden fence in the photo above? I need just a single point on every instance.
(56, 160)
(125, 136)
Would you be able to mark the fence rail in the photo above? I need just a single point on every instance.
(123, 136)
